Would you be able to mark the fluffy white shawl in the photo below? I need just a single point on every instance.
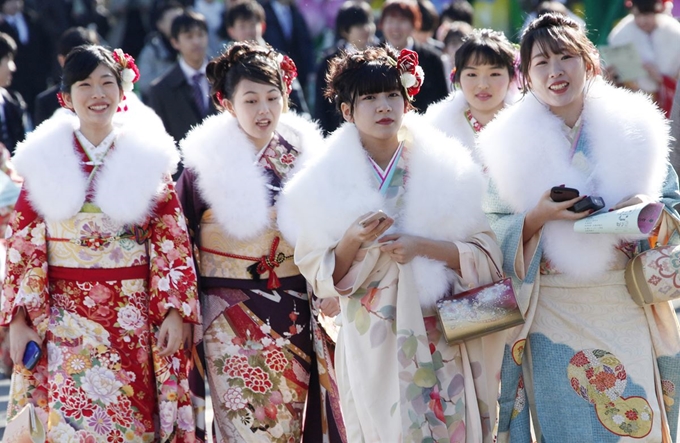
(442, 201)
(448, 116)
(227, 177)
(126, 186)
(628, 138)
(661, 47)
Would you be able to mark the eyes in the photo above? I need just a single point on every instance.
(272, 98)
(393, 94)
(543, 60)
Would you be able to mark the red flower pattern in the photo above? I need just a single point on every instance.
(257, 380)
(276, 360)
(631, 414)
(579, 359)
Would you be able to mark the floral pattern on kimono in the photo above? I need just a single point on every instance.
(100, 377)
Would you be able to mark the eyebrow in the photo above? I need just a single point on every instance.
(253, 92)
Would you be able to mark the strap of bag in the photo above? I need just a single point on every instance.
(499, 272)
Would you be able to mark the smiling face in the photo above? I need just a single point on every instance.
(95, 100)
(377, 116)
(485, 87)
(558, 80)
(257, 107)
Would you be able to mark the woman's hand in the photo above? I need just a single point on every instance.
(20, 333)
(634, 200)
(171, 333)
(330, 307)
(356, 233)
(401, 247)
(351, 241)
(548, 210)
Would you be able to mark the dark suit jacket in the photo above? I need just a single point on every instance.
(434, 88)
(324, 110)
(45, 104)
(17, 120)
(33, 60)
(171, 96)
(300, 47)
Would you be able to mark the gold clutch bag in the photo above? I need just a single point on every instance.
(479, 311)
(25, 427)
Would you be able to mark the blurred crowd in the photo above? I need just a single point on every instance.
(173, 40)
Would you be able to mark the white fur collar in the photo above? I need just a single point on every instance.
(628, 150)
(442, 200)
(448, 116)
(126, 186)
(224, 161)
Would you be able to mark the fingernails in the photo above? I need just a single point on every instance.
(562, 185)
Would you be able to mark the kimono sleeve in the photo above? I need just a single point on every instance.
(172, 281)
(26, 283)
(520, 261)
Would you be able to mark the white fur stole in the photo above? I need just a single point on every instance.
(126, 185)
(442, 199)
(527, 153)
(228, 179)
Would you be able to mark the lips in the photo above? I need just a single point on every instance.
(263, 123)
(483, 96)
(559, 86)
(385, 121)
(98, 107)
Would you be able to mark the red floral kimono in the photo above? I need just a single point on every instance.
(97, 290)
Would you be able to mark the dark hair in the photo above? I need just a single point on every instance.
(558, 34)
(553, 6)
(187, 22)
(647, 6)
(241, 10)
(243, 60)
(83, 60)
(371, 71)
(454, 32)
(430, 17)
(352, 13)
(404, 8)
(458, 11)
(485, 47)
(8, 46)
(161, 8)
(76, 36)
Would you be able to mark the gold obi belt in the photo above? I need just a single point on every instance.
(92, 240)
(224, 256)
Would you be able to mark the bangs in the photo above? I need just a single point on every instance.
(486, 55)
(558, 41)
(375, 77)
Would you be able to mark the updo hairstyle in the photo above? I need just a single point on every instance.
(558, 34)
(485, 47)
(243, 60)
(352, 74)
(83, 60)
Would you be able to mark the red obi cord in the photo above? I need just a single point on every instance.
(266, 263)
(139, 272)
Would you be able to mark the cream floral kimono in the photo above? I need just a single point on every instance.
(399, 380)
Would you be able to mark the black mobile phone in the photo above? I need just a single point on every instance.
(562, 194)
(590, 202)
(31, 355)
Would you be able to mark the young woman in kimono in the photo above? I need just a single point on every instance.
(399, 380)
(589, 364)
(256, 334)
(484, 73)
(99, 268)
